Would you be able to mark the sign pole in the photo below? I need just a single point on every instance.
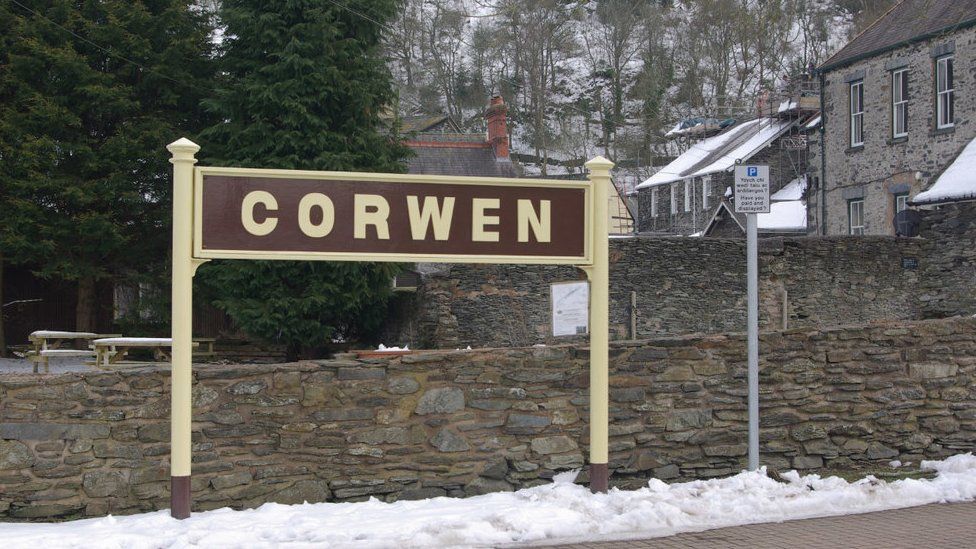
(752, 304)
(751, 198)
(181, 376)
(599, 275)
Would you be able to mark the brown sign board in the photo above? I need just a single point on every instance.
(343, 216)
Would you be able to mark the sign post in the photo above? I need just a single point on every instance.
(240, 213)
(751, 198)
(599, 275)
(184, 266)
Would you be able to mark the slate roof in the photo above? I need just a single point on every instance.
(458, 160)
(908, 21)
(427, 123)
(720, 152)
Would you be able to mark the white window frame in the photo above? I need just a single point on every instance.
(674, 199)
(687, 195)
(857, 113)
(945, 91)
(899, 103)
(654, 202)
(901, 202)
(706, 190)
(855, 223)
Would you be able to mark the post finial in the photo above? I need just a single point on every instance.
(183, 146)
(599, 164)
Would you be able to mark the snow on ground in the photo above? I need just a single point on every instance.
(558, 512)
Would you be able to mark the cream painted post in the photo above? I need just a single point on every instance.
(181, 384)
(599, 275)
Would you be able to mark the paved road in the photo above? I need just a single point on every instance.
(925, 527)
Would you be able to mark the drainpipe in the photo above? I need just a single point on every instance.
(823, 159)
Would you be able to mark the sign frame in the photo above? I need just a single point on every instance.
(741, 179)
(200, 253)
(187, 256)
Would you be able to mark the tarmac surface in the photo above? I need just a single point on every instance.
(951, 525)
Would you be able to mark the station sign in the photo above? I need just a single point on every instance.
(288, 214)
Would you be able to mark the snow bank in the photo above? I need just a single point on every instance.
(561, 511)
(956, 183)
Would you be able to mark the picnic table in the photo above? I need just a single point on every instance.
(48, 343)
(111, 350)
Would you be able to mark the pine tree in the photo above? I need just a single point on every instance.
(305, 85)
(90, 94)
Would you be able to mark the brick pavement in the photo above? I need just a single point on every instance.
(929, 526)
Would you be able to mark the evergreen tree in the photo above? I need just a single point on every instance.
(305, 84)
(90, 94)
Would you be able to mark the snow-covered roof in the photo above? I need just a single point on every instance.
(791, 191)
(789, 215)
(785, 216)
(957, 182)
(813, 123)
(720, 153)
(787, 106)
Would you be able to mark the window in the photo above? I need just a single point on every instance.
(901, 202)
(857, 114)
(674, 199)
(899, 103)
(654, 202)
(706, 190)
(944, 93)
(855, 216)
(687, 195)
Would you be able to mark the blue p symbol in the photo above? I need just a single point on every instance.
(752, 171)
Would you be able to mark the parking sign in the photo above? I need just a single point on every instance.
(752, 189)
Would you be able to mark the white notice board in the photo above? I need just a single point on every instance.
(751, 189)
(570, 308)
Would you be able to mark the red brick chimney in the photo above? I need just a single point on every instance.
(497, 127)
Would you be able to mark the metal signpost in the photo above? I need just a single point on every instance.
(751, 198)
(238, 213)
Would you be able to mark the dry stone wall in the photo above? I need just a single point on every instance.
(686, 285)
(460, 423)
(680, 285)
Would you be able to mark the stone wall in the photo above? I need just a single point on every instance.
(884, 166)
(466, 422)
(949, 272)
(682, 285)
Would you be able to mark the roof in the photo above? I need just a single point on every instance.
(426, 123)
(957, 182)
(461, 159)
(787, 216)
(791, 191)
(720, 153)
(908, 21)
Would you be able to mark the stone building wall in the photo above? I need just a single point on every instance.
(681, 285)
(884, 166)
(467, 422)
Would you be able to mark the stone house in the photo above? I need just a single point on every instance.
(687, 196)
(898, 108)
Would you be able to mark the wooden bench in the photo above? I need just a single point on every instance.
(48, 343)
(111, 350)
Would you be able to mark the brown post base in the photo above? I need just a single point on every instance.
(179, 497)
(599, 478)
